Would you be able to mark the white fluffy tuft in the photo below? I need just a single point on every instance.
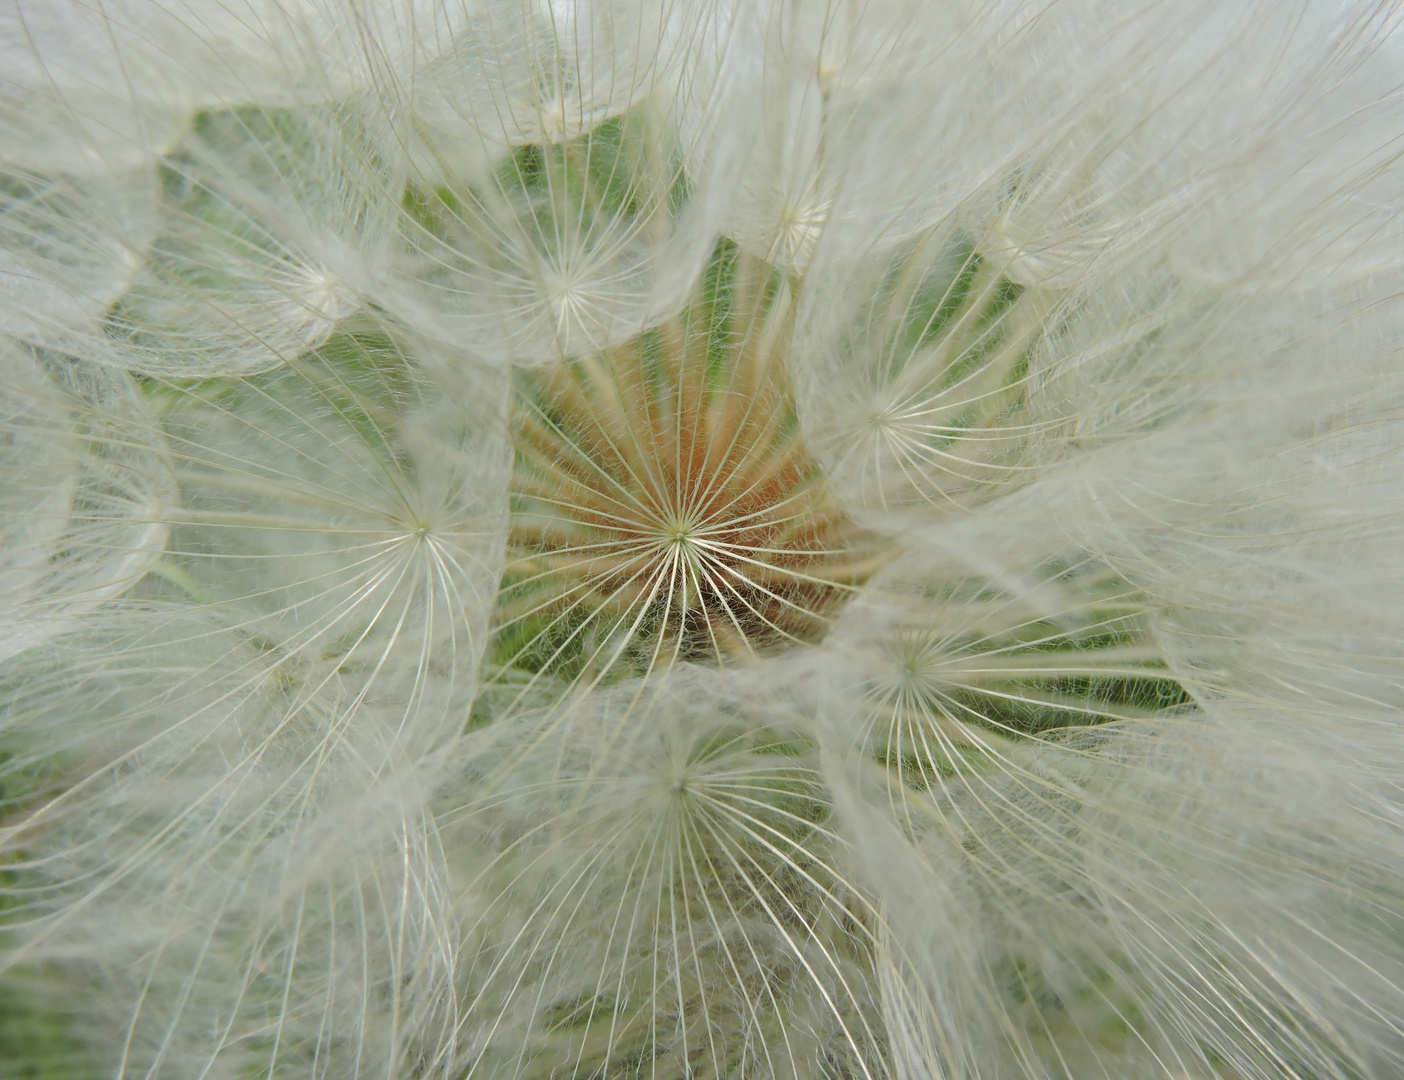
(718, 538)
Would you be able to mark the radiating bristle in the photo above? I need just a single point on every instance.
(664, 505)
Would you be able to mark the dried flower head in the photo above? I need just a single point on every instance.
(720, 539)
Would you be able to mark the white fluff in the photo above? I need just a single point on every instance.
(1084, 326)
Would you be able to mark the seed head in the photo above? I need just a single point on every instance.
(664, 504)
